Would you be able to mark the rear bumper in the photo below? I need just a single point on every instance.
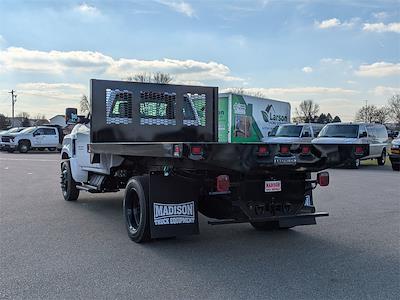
(284, 221)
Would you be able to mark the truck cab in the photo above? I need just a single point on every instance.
(294, 133)
(38, 137)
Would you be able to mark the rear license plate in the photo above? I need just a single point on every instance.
(273, 186)
(285, 160)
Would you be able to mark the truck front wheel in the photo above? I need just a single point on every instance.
(382, 159)
(24, 146)
(68, 184)
(136, 209)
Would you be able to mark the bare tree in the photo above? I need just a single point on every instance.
(25, 119)
(157, 77)
(4, 122)
(381, 115)
(40, 119)
(24, 115)
(394, 108)
(241, 91)
(366, 114)
(84, 103)
(307, 111)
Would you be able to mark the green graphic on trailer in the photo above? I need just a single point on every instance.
(223, 123)
(244, 128)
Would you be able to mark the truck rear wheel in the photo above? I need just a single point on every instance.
(136, 209)
(355, 164)
(68, 184)
(24, 146)
(382, 159)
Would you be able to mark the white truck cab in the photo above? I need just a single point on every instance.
(39, 137)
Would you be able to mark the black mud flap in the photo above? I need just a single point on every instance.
(173, 206)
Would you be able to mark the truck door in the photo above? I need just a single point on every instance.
(37, 138)
(50, 137)
(373, 141)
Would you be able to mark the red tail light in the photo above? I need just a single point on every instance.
(359, 150)
(285, 149)
(323, 178)
(196, 150)
(223, 183)
(262, 150)
(305, 149)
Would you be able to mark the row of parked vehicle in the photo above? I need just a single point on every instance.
(373, 134)
(24, 139)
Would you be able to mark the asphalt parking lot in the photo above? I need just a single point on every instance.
(52, 249)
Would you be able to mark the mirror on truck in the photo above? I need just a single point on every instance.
(71, 116)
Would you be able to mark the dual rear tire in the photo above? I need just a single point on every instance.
(136, 209)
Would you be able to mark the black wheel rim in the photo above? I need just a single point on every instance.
(133, 210)
(64, 180)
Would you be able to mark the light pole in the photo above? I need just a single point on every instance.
(13, 100)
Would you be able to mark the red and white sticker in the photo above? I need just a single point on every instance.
(273, 186)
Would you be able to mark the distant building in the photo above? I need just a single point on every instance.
(58, 120)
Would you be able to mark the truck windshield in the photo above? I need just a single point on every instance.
(28, 130)
(17, 129)
(289, 131)
(341, 131)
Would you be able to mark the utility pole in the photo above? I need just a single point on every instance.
(13, 100)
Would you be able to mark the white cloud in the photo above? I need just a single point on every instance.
(65, 91)
(331, 60)
(381, 27)
(179, 6)
(386, 91)
(300, 91)
(87, 9)
(307, 70)
(379, 69)
(335, 22)
(380, 15)
(97, 64)
(330, 23)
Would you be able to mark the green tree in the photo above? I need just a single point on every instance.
(336, 119)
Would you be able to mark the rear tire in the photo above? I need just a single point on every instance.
(24, 147)
(136, 209)
(355, 164)
(68, 184)
(395, 167)
(382, 159)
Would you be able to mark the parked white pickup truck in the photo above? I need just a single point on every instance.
(39, 137)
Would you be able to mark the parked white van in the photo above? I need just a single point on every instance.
(294, 133)
(375, 135)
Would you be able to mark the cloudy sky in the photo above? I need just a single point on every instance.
(338, 53)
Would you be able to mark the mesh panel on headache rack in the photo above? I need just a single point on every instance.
(157, 108)
(194, 109)
(118, 106)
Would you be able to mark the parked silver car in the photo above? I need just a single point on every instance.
(294, 133)
(375, 135)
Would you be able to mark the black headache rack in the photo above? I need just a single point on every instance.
(145, 112)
